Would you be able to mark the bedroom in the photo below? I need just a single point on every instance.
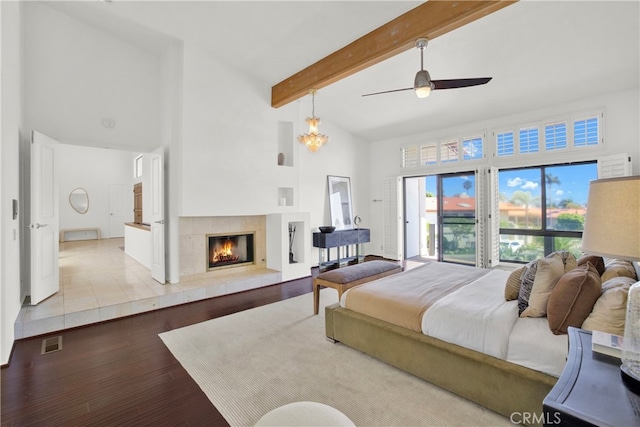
(341, 156)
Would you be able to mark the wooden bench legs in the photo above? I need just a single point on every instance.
(317, 285)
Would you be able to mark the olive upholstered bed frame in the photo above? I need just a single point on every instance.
(501, 386)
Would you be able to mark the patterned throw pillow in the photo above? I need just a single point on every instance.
(528, 277)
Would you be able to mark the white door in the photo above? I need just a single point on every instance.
(412, 217)
(157, 215)
(44, 218)
(119, 211)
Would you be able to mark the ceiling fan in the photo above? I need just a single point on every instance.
(423, 85)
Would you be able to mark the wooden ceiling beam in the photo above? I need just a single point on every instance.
(431, 19)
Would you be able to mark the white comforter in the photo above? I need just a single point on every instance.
(475, 316)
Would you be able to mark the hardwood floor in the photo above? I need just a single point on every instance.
(119, 373)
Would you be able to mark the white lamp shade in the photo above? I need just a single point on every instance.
(612, 223)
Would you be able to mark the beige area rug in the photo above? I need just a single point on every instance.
(251, 362)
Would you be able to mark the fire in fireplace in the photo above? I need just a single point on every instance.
(230, 249)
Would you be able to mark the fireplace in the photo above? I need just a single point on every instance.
(230, 250)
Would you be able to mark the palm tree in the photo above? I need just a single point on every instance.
(467, 184)
(551, 179)
(526, 199)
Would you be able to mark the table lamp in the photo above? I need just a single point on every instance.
(612, 229)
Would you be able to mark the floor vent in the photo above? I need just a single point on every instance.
(49, 345)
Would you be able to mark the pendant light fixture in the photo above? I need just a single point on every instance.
(313, 140)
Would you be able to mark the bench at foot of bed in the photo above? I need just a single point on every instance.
(347, 277)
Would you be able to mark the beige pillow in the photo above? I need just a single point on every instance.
(569, 259)
(573, 298)
(550, 270)
(610, 310)
(618, 268)
(512, 288)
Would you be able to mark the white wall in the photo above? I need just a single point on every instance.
(10, 131)
(76, 75)
(93, 169)
(229, 148)
(229, 144)
(172, 82)
(621, 128)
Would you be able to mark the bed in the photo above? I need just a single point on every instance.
(463, 336)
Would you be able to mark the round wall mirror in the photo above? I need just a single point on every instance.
(79, 200)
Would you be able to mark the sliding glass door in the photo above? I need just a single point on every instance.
(440, 217)
(457, 218)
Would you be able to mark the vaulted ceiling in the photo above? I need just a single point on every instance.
(539, 53)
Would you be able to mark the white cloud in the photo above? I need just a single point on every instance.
(530, 185)
(515, 182)
(559, 192)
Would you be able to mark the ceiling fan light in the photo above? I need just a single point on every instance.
(423, 92)
(422, 84)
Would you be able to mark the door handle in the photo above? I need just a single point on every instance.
(159, 222)
(37, 225)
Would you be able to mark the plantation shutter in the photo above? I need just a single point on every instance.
(392, 218)
(429, 154)
(481, 218)
(613, 166)
(409, 156)
(494, 218)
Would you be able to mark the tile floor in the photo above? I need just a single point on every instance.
(99, 282)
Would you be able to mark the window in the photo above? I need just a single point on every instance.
(504, 144)
(472, 148)
(555, 136)
(586, 132)
(542, 209)
(137, 167)
(409, 156)
(429, 154)
(529, 140)
(449, 151)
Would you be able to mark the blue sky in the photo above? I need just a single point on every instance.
(452, 185)
(574, 182)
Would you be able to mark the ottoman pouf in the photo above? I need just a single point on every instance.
(301, 414)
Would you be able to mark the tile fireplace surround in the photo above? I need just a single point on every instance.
(193, 242)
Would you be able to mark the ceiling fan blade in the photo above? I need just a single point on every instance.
(388, 91)
(456, 83)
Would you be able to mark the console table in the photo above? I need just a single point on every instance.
(340, 239)
(590, 391)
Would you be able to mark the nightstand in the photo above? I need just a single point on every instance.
(590, 391)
